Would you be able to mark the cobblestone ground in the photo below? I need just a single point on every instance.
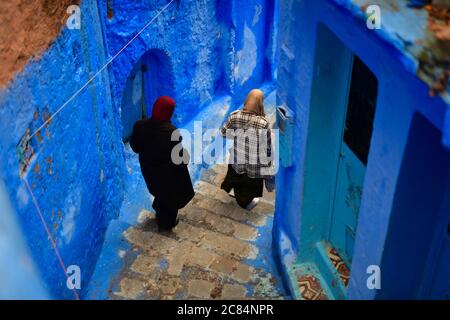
(205, 256)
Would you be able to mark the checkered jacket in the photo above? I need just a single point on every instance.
(252, 146)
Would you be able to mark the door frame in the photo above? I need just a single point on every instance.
(328, 108)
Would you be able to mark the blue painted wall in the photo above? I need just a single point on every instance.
(17, 269)
(419, 207)
(75, 172)
(401, 95)
(78, 169)
(214, 48)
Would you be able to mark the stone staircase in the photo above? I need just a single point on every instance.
(212, 254)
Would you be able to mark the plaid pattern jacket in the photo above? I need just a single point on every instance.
(252, 148)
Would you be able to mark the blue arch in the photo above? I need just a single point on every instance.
(150, 77)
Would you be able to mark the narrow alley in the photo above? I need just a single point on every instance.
(217, 251)
(356, 95)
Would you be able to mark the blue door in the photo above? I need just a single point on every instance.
(348, 195)
(354, 151)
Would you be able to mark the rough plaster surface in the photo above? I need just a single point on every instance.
(393, 54)
(76, 168)
(28, 28)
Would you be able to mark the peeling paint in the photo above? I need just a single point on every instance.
(246, 57)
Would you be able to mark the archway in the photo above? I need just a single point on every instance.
(152, 76)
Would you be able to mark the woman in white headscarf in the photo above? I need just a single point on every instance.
(251, 153)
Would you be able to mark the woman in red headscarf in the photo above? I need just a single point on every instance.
(166, 180)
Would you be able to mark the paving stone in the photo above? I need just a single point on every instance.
(145, 264)
(252, 218)
(264, 208)
(224, 197)
(228, 245)
(192, 210)
(214, 192)
(219, 223)
(208, 176)
(186, 231)
(244, 232)
(242, 273)
(152, 290)
(231, 210)
(220, 169)
(130, 288)
(200, 217)
(155, 276)
(169, 286)
(206, 188)
(224, 265)
(217, 242)
(200, 288)
(200, 257)
(233, 291)
(209, 204)
(216, 223)
(176, 266)
(211, 221)
(219, 179)
(177, 259)
(150, 241)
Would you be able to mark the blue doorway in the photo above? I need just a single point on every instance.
(353, 157)
(133, 102)
(416, 256)
(151, 77)
(342, 111)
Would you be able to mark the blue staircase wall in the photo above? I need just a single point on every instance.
(392, 53)
(77, 168)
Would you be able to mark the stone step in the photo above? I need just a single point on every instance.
(215, 175)
(212, 191)
(200, 217)
(202, 258)
(265, 206)
(229, 210)
(220, 169)
(217, 242)
(179, 254)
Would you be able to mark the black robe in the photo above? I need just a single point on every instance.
(169, 183)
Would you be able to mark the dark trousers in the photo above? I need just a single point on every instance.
(245, 188)
(166, 213)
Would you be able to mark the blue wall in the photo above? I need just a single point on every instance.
(401, 95)
(423, 185)
(215, 47)
(17, 270)
(77, 169)
(75, 172)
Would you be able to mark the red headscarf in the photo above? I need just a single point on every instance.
(163, 108)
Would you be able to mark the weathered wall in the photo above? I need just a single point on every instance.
(401, 95)
(27, 30)
(214, 47)
(17, 269)
(75, 166)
